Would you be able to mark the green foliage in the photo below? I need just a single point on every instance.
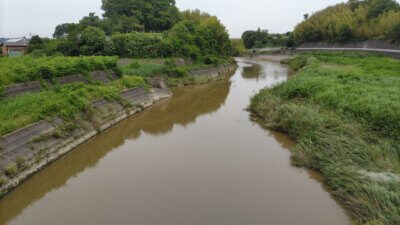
(202, 39)
(144, 68)
(92, 20)
(22, 162)
(137, 45)
(352, 21)
(35, 43)
(395, 33)
(261, 38)
(238, 48)
(172, 70)
(28, 68)
(343, 111)
(63, 101)
(2, 180)
(153, 15)
(93, 41)
(378, 7)
(11, 169)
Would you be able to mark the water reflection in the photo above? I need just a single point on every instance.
(187, 104)
(252, 72)
(193, 159)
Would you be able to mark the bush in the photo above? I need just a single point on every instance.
(172, 70)
(138, 45)
(22, 162)
(238, 48)
(28, 68)
(11, 169)
(2, 181)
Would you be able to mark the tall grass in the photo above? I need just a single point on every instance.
(343, 109)
(64, 101)
(28, 68)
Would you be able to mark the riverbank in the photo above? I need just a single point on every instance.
(27, 150)
(185, 160)
(342, 109)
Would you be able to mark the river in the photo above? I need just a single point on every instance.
(193, 159)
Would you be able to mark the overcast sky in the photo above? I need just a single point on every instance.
(22, 17)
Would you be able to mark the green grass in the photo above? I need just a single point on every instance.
(28, 68)
(343, 110)
(145, 69)
(11, 169)
(63, 101)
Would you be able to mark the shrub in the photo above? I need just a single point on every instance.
(11, 169)
(28, 68)
(172, 70)
(2, 181)
(22, 162)
(137, 45)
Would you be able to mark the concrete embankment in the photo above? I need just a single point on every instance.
(26, 151)
(377, 46)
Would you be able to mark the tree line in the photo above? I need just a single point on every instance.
(356, 20)
(262, 38)
(139, 28)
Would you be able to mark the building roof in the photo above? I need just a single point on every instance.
(17, 42)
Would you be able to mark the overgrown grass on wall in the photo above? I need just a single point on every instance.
(343, 110)
(28, 68)
(63, 101)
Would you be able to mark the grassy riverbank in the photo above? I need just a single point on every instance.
(67, 101)
(343, 110)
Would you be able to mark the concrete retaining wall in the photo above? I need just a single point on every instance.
(45, 141)
(382, 47)
(34, 86)
(18, 89)
(42, 142)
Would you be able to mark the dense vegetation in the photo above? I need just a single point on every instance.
(343, 111)
(195, 35)
(355, 20)
(262, 38)
(28, 68)
(238, 48)
(65, 101)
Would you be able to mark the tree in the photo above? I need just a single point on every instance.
(395, 33)
(93, 41)
(35, 43)
(153, 15)
(90, 21)
(378, 7)
(306, 16)
(67, 30)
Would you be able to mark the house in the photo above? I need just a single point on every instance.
(15, 47)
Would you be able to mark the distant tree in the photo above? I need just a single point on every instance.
(154, 15)
(260, 38)
(395, 33)
(66, 29)
(378, 7)
(35, 43)
(93, 41)
(306, 16)
(90, 21)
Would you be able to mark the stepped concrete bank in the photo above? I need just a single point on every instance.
(35, 86)
(26, 151)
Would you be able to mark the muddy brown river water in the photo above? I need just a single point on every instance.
(194, 159)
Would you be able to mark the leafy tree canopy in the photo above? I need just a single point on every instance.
(355, 20)
(153, 15)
